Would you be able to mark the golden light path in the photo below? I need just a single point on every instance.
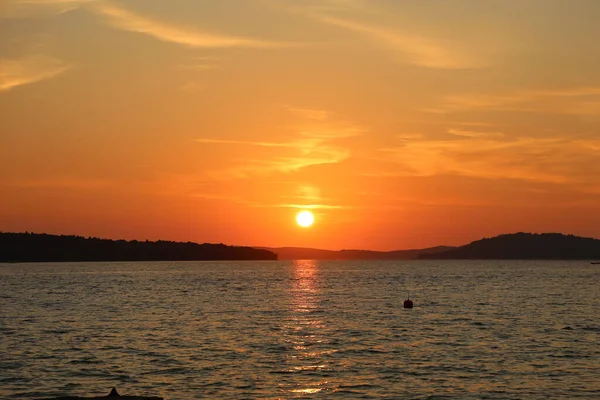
(307, 332)
(305, 218)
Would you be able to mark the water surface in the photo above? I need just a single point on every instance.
(301, 329)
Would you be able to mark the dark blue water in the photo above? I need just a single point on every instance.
(303, 329)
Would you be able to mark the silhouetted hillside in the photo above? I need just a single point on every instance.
(526, 246)
(303, 253)
(30, 247)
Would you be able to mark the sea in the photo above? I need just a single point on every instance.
(301, 329)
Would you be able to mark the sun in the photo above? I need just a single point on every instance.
(305, 218)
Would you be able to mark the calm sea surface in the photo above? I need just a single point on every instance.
(302, 329)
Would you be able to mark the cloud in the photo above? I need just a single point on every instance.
(409, 136)
(200, 63)
(318, 115)
(474, 134)
(472, 123)
(245, 142)
(309, 193)
(323, 125)
(309, 153)
(192, 87)
(312, 206)
(290, 156)
(557, 160)
(29, 8)
(28, 70)
(65, 183)
(187, 36)
(314, 144)
(307, 196)
(331, 131)
(577, 100)
(417, 49)
(311, 7)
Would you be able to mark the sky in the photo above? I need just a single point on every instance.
(399, 124)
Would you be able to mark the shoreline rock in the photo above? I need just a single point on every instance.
(111, 396)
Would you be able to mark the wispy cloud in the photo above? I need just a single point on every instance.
(474, 134)
(167, 32)
(298, 154)
(319, 115)
(472, 123)
(308, 196)
(312, 206)
(417, 49)
(65, 183)
(557, 160)
(584, 100)
(329, 7)
(309, 193)
(405, 43)
(28, 8)
(200, 63)
(410, 136)
(192, 87)
(317, 143)
(244, 142)
(28, 70)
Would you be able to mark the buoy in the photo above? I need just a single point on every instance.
(114, 393)
(408, 302)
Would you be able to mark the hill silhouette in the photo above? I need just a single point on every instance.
(525, 246)
(304, 253)
(31, 247)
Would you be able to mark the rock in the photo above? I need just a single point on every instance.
(111, 396)
(105, 398)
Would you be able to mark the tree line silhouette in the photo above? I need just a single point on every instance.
(526, 246)
(32, 247)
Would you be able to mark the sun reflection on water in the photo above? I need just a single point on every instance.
(306, 333)
(304, 288)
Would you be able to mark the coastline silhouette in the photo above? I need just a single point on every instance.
(525, 246)
(32, 247)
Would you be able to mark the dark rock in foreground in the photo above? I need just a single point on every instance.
(106, 398)
(112, 396)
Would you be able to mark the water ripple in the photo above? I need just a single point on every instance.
(493, 329)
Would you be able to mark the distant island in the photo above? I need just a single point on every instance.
(32, 247)
(525, 246)
(304, 253)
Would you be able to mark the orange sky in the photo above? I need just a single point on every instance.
(400, 124)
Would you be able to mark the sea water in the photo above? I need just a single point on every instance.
(302, 329)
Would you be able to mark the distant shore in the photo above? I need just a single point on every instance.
(32, 247)
(515, 246)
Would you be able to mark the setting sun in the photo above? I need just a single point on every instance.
(305, 218)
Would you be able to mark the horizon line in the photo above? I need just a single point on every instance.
(271, 248)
